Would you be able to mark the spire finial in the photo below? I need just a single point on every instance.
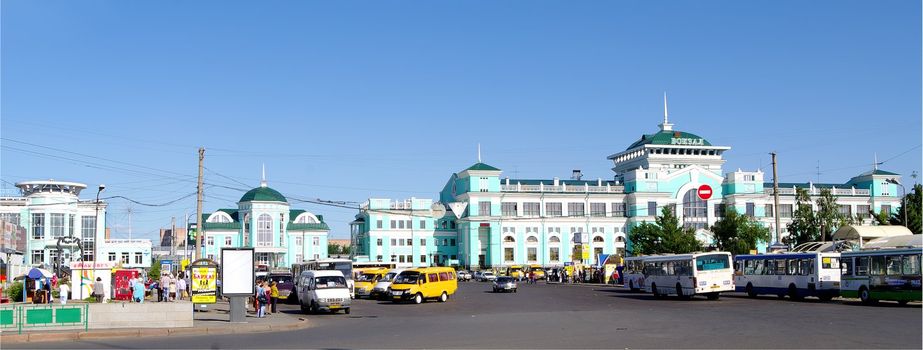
(479, 152)
(665, 126)
(263, 178)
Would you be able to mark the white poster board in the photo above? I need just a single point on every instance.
(237, 275)
(84, 274)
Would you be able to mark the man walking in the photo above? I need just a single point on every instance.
(165, 287)
(98, 290)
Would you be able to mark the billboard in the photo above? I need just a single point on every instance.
(204, 284)
(237, 275)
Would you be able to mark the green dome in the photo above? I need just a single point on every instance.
(671, 138)
(263, 194)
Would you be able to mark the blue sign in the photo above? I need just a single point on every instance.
(165, 266)
(568, 263)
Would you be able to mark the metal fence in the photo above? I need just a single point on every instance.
(51, 316)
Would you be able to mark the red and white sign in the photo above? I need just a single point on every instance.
(704, 192)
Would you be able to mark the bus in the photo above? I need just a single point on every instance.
(633, 273)
(343, 265)
(883, 274)
(798, 275)
(686, 275)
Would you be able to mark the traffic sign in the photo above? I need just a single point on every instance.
(704, 192)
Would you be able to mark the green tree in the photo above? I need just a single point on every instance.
(883, 218)
(154, 272)
(336, 249)
(674, 237)
(828, 214)
(804, 227)
(645, 239)
(914, 203)
(665, 236)
(738, 234)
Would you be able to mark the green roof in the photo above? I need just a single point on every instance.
(666, 138)
(263, 194)
(806, 185)
(482, 166)
(878, 172)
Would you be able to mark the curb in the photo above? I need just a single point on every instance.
(300, 323)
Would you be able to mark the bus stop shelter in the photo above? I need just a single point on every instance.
(864, 234)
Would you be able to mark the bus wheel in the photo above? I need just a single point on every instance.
(825, 297)
(866, 296)
(631, 286)
(903, 302)
(793, 292)
(418, 298)
(750, 292)
(713, 296)
(443, 297)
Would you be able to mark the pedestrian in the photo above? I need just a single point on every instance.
(47, 288)
(273, 295)
(172, 295)
(98, 290)
(268, 291)
(180, 288)
(618, 269)
(64, 292)
(256, 299)
(165, 287)
(138, 291)
(261, 300)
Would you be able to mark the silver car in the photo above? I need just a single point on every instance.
(505, 284)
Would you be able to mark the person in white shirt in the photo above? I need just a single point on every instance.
(63, 292)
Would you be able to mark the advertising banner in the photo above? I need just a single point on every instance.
(237, 272)
(204, 284)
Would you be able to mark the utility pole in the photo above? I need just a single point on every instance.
(173, 236)
(198, 209)
(775, 198)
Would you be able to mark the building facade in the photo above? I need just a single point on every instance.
(51, 211)
(494, 221)
(263, 220)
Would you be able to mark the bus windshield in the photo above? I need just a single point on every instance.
(330, 282)
(407, 278)
(712, 262)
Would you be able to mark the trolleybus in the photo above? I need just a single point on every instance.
(883, 274)
(815, 274)
(686, 275)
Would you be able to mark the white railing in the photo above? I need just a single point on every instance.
(562, 189)
(814, 191)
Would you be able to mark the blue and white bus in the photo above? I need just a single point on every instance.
(797, 275)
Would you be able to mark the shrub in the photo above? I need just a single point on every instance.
(14, 291)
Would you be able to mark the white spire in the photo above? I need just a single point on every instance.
(665, 126)
(479, 152)
(875, 165)
(263, 179)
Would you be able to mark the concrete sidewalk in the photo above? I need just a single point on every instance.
(212, 321)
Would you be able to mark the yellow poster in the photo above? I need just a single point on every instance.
(204, 284)
(586, 252)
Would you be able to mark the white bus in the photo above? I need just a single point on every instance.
(633, 273)
(343, 265)
(686, 275)
(798, 275)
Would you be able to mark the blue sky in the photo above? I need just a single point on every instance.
(349, 100)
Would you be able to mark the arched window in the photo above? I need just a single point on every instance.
(598, 239)
(695, 210)
(554, 239)
(264, 230)
(619, 239)
(509, 239)
(306, 219)
(531, 239)
(219, 217)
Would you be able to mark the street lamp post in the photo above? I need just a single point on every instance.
(95, 230)
(903, 197)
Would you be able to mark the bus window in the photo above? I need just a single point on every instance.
(805, 267)
(846, 267)
(780, 267)
(894, 265)
(758, 267)
(811, 263)
(878, 266)
(830, 263)
(792, 267)
(712, 262)
(862, 266)
(911, 264)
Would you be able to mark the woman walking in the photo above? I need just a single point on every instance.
(273, 296)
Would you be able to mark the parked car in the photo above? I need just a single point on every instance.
(464, 275)
(487, 276)
(505, 284)
(324, 290)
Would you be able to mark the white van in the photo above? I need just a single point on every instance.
(323, 290)
(380, 291)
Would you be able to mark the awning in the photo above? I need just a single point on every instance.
(866, 233)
